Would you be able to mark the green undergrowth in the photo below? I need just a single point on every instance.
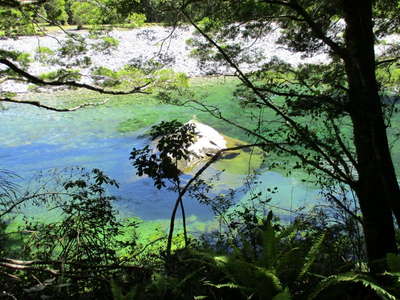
(148, 234)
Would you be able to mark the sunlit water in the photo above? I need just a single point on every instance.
(33, 139)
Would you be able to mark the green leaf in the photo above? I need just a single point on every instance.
(230, 285)
(285, 295)
(269, 242)
(365, 280)
(311, 255)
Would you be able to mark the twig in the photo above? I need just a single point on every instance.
(40, 105)
(183, 191)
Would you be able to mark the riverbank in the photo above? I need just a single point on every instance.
(156, 44)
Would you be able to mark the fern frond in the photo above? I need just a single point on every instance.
(187, 277)
(269, 243)
(311, 256)
(285, 295)
(365, 280)
(230, 285)
(257, 279)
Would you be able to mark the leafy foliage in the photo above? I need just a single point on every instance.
(44, 54)
(15, 22)
(85, 13)
(82, 242)
(82, 235)
(172, 140)
(365, 280)
(56, 11)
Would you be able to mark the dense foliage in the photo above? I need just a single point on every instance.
(330, 122)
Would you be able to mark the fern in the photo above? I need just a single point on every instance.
(285, 295)
(244, 275)
(311, 256)
(186, 278)
(230, 285)
(365, 280)
(260, 280)
(269, 243)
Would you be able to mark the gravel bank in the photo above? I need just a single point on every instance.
(151, 42)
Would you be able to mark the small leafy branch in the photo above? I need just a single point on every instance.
(173, 140)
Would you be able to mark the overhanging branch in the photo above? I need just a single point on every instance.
(38, 81)
(285, 147)
(40, 105)
(315, 145)
(387, 61)
(315, 28)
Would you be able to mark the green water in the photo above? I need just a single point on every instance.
(34, 139)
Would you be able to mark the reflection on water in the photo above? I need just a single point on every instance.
(33, 139)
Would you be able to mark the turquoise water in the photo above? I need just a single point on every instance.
(33, 139)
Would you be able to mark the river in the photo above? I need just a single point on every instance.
(33, 140)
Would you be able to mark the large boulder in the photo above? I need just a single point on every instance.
(206, 143)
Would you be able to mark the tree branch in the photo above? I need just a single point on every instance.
(315, 145)
(346, 209)
(38, 81)
(316, 29)
(281, 146)
(183, 191)
(342, 145)
(387, 61)
(40, 105)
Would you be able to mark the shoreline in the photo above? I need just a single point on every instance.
(162, 45)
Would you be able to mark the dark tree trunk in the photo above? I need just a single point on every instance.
(377, 188)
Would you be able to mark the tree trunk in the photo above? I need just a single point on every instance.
(377, 188)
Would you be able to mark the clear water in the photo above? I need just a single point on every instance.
(33, 139)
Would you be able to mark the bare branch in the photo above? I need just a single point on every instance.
(27, 268)
(346, 209)
(342, 145)
(387, 61)
(18, 202)
(36, 80)
(40, 105)
(342, 177)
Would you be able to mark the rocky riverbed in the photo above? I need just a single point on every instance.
(165, 45)
(162, 44)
